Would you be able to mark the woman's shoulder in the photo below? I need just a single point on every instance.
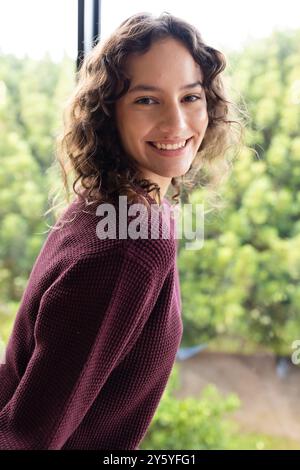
(102, 230)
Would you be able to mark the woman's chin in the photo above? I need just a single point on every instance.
(176, 173)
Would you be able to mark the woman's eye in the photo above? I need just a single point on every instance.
(194, 96)
(142, 100)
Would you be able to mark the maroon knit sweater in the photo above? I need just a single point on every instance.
(94, 340)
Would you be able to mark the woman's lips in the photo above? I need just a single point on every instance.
(171, 153)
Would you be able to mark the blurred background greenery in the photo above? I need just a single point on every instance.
(240, 292)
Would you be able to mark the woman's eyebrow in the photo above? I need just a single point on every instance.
(143, 87)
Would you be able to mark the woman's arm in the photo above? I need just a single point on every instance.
(87, 321)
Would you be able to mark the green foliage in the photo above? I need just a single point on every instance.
(191, 423)
(32, 95)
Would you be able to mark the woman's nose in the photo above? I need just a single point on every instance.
(173, 120)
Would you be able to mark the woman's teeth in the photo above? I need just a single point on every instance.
(169, 146)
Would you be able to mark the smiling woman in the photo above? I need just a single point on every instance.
(153, 82)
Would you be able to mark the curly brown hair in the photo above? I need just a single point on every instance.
(89, 149)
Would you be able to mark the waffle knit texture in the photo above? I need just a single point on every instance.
(93, 342)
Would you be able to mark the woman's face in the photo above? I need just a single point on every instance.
(166, 110)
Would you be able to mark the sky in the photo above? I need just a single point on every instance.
(32, 27)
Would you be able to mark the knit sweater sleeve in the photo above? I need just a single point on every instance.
(88, 319)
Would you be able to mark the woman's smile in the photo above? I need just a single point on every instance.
(171, 152)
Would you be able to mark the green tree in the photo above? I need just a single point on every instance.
(191, 423)
(32, 95)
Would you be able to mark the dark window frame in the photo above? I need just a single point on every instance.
(88, 27)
